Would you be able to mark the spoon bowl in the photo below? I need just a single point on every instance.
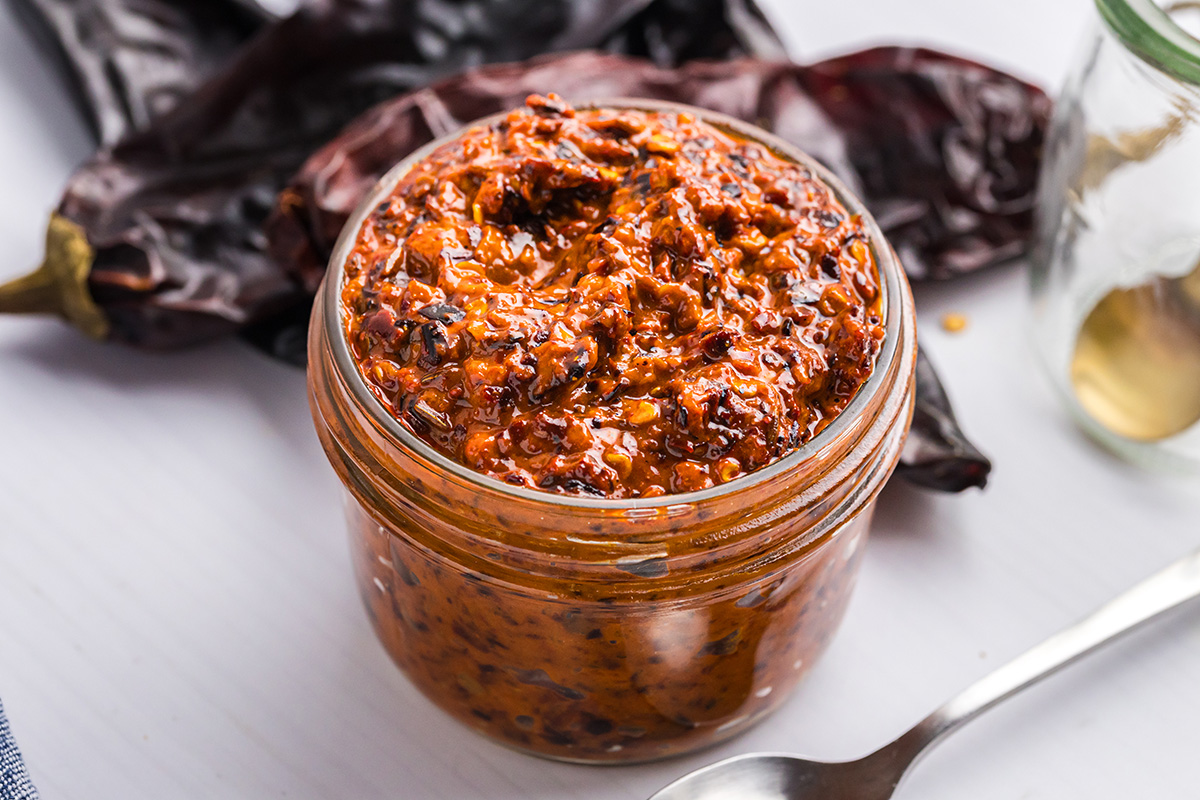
(771, 776)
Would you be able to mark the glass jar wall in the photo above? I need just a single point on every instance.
(600, 630)
(1116, 271)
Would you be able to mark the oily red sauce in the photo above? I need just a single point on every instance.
(611, 302)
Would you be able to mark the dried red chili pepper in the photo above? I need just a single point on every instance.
(176, 254)
(130, 61)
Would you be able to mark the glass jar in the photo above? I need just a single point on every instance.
(1116, 269)
(597, 630)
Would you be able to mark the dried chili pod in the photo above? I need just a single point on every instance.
(937, 454)
(174, 212)
(130, 61)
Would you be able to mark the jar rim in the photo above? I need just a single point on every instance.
(1147, 30)
(887, 265)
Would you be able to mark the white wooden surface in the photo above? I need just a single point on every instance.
(177, 617)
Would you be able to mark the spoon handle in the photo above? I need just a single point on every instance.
(1160, 592)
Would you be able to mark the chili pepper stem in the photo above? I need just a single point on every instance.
(59, 285)
(35, 293)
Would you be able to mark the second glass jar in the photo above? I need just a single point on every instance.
(1116, 269)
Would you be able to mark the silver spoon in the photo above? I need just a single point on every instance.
(772, 776)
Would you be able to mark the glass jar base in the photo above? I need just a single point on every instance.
(615, 758)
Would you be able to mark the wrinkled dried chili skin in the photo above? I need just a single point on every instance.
(616, 303)
(959, 195)
(128, 62)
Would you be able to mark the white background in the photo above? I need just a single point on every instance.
(177, 617)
